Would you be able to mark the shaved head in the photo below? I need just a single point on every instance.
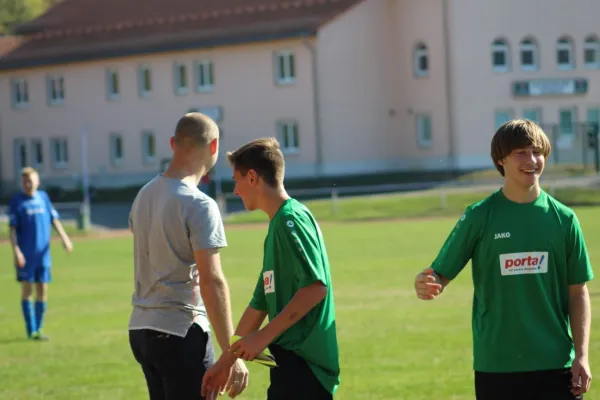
(195, 129)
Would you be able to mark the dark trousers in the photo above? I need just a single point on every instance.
(535, 385)
(293, 379)
(173, 366)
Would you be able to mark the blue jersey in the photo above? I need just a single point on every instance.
(32, 217)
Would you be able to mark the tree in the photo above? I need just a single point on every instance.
(15, 12)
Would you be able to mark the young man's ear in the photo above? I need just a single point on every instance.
(172, 143)
(252, 177)
(214, 146)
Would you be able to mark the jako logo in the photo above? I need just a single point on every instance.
(524, 263)
(504, 235)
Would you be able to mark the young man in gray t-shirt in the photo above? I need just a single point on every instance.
(178, 282)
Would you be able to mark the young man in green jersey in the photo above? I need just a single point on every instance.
(531, 307)
(294, 287)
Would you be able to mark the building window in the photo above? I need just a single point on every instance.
(288, 135)
(593, 117)
(60, 152)
(116, 149)
(424, 134)
(204, 76)
(37, 153)
(112, 83)
(564, 53)
(591, 52)
(566, 121)
(181, 79)
(20, 93)
(148, 147)
(501, 117)
(286, 68)
(500, 56)
(56, 90)
(421, 60)
(144, 80)
(529, 55)
(533, 114)
(20, 155)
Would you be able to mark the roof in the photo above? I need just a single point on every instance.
(83, 30)
(7, 44)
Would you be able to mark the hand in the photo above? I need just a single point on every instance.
(581, 376)
(218, 377)
(19, 259)
(426, 286)
(238, 379)
(68, 245)
(250, 346)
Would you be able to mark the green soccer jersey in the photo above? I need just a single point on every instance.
(295, 257)
(523, 257)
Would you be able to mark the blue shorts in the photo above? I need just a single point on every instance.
(39, 274)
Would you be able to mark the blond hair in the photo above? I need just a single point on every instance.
(28, 172)
(518, 134)
(263, 156)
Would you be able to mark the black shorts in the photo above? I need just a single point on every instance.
(535, 385)
(293, 379)
(173, 366)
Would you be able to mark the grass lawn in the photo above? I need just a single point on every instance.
(392, 345)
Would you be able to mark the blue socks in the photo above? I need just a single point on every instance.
(34, 318)
(29, 317)
(40, 310)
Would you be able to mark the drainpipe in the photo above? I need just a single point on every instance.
(316, 107)
(449, 107)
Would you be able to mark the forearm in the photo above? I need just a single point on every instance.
(13, 241)
(215, 294)
(250, 321)
(304, 301)
(58, 227)
(580, 318)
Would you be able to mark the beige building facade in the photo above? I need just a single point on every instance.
(348, 87)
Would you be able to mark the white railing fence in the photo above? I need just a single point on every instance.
(441, 189)
(71, 210)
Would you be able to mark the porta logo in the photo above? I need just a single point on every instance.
(524, 263)
(269, 282)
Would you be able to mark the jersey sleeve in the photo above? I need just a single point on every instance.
(51, 209)
(300, 239)
(205, 225)
(578, 261)
(258, 301)
(458, 248)
(13, 213)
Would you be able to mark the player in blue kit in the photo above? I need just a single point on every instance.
(31, 216)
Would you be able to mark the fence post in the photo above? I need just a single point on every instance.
(84, 218)
(221, 203)
(334, 201)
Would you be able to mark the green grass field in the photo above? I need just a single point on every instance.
(392, 345)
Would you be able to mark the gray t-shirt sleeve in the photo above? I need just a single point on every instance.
(205, 225)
